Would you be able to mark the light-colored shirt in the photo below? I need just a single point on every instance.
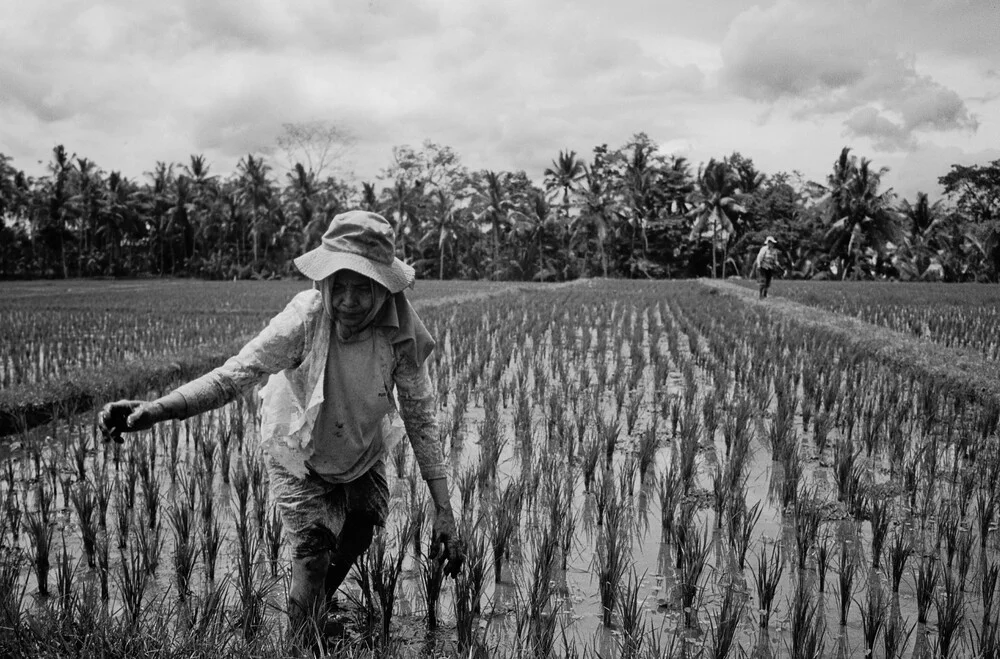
(767, 257)
(295, 351)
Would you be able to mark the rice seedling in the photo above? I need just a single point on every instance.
(899, 550)
(692, 556)
(65, 579)
(846, 572)
(632, 639)
(649, 443)
(432, 578)
(40, 534)
(85, 504)
(632, 410)
(611, 560)
(895, 637)
(469, 587)
(949, 603)
(103, 490)
(150, 486)
(807, 626)
(724, 625)
(132, 583)
(123, 515)
(807, 515)
(879, 513)
(873, 617)
(742, 522)
(925, 578)
(989, 577)
(180, 517)
(767, 576)
(687, 452)
(103, 566)
(149, 542)
(986, 509)
(384, 568)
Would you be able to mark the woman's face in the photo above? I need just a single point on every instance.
(352, 297)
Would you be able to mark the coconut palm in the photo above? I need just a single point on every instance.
(861, 217)
(923, 221)
(594, 221)
(715, 207)
(402, 204)
(120, 224)
(57, 193)
(564, 177)
(204, 198)
(497, 206)
(539, 233)
(369, 198)
(677, 184)
(255, 194)
(443, 226)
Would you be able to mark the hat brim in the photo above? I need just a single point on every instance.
(320, 263)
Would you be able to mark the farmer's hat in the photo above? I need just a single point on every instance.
(770, 239)
(360, 241)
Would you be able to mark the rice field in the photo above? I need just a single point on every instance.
(639, 469)
(952, 315)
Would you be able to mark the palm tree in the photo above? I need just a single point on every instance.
(57, 192)
(677, 184)
(443, 225)
(157, 204)
(716, 207)
(120, 225)
(86, 203)
(369, 199)
(302, 197)
(595, 217)
(497, 208)
(541, 234)
(564, 176)
(255, 195)
(860, 215)
(403, 203)
(923, 221)
(204, 195)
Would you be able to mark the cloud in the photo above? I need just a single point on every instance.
(886, 135)
(820, 59)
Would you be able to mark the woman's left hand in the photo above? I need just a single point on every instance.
(446, 546)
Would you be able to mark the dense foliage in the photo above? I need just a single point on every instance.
(627, 212)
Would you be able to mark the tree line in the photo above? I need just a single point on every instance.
(629, 211)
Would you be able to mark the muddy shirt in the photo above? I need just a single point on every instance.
(294, 350)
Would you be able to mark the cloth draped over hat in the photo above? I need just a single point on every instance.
(361, 241)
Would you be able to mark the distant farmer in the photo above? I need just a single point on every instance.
(766, 264)
(336, 356)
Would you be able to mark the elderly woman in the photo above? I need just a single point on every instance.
(340, 362)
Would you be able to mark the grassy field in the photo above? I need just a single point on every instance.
(640, 469)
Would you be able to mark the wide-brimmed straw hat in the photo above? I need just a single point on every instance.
(770, 239)
(360, 241)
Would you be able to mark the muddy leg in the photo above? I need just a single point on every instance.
(306, 597)
(354, 539)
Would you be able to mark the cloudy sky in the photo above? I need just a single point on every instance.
(911, 84)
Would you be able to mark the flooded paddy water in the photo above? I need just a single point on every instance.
(639, 469)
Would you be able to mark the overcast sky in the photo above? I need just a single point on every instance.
(911, 84)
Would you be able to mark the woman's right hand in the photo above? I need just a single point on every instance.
(127, 416)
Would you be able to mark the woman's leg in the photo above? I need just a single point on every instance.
(307, 593)
(354, 540)
(367, 504)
